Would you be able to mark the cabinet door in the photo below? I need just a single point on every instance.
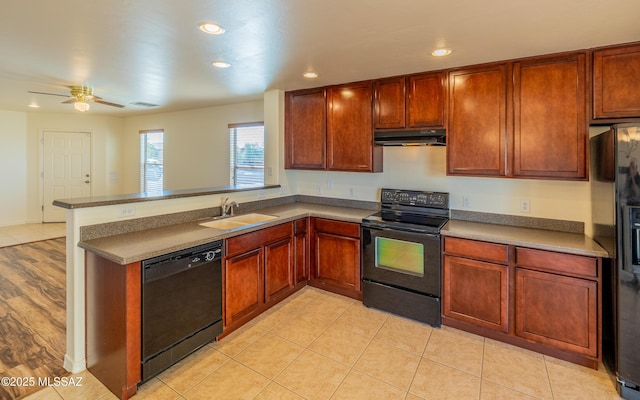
(389, 100)
(616, 82)
(427, 100)
(301, 251)
(557, 310)
(350, 129)
(550, 124)
(301, 260)
(278, 267)
(337, 260)
(476, 292)
(336, 256)
(305, 129)
(243, 285)
(477, 133)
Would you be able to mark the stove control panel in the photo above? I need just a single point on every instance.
(415, 198)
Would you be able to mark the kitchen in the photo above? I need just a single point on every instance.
(564, 200)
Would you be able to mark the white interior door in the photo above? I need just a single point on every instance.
(66, 170)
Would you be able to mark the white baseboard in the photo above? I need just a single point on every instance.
(74, 366)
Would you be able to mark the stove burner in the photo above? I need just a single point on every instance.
(411, 211)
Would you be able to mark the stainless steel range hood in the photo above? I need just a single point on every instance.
(418, 137)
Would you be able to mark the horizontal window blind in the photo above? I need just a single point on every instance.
(247, 154)
(152, 161)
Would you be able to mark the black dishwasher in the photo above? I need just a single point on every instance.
(181, 305)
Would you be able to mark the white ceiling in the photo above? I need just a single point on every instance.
(152, 51)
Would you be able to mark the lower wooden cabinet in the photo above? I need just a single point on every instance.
(557, 297)
(257, 273)
(278, 268)
(301, 251)
(476, 292)
(557, 310)
(113, 329)
(336, 262)
(243, 288)
(541, 300)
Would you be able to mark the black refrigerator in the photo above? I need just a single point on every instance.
(615, 204)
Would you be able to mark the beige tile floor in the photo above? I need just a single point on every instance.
(317, 345)
(18, 234)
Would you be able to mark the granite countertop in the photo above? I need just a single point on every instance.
(136, 246)
(572, 243)
(99, 201)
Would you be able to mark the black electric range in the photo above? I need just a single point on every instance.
(401, 254)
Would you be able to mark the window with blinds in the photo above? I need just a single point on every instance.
(247, 154)
(152, 161)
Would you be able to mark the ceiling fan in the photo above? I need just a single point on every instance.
(80, 97)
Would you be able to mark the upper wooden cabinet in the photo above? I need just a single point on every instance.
(427, 94)
(550, 132)
(416, 101)
(616, 82)
(331, 129)
(389, 103)
(477, 134)
(350, 129)
(305, 129)
(523, 119)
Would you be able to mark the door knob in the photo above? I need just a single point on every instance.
(87, 181)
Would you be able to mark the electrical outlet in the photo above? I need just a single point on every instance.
(329, 184)
(283, 189)
(318, 189)
(351, 193)
(269, 171)
(261, 194)
(126, 211)
(525, 206)
(465, 202)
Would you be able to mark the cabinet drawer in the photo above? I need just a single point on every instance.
(337, 227)
(249, 241)
(477, 250)
(570, 264)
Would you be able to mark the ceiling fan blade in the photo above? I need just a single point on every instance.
(49, 94)
(106, 103)
(70, 101)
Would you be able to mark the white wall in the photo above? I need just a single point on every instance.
(424, 168)
(196, 144)
(13, 164)
(197, 155)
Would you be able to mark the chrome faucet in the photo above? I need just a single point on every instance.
(227, 208)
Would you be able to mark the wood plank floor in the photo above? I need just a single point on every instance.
(32, 313)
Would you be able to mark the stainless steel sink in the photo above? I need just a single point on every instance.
(238, 221)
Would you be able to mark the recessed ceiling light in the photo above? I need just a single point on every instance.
(310, 75)
(441, 52)
(211, 28)
(221, 64)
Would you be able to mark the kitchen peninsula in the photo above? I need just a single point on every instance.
(166, 225)
(126, 242)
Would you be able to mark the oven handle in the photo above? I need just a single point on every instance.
(374, 226)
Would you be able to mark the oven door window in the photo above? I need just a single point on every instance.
(400, 255)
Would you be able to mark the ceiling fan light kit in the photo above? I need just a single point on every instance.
(80, 97)
(81, 106)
